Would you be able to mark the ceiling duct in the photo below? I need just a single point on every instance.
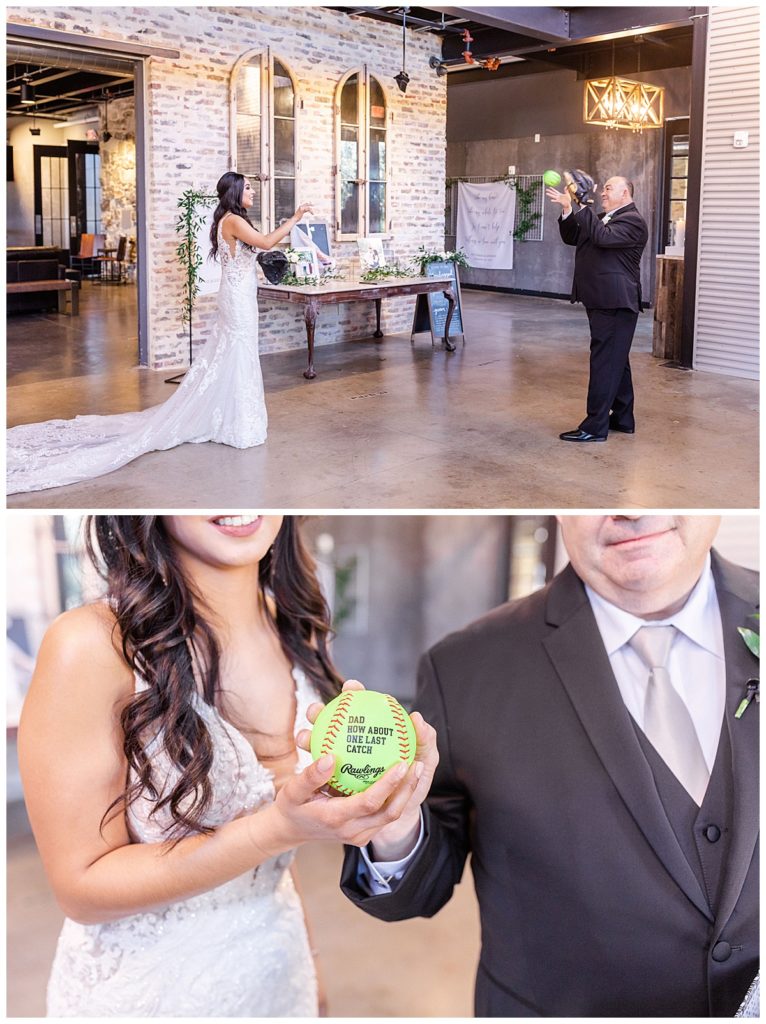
(59, 57)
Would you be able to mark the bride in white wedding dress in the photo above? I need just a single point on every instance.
(219, 399)
(159, 747)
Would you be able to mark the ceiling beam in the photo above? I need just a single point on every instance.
(548, 24)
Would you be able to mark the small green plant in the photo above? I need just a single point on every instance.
(383, 274)
(425, 256)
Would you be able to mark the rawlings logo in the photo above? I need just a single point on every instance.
(369, 771)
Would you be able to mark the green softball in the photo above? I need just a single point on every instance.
(368, 732)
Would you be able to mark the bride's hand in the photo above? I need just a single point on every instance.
(303, 209)
(302, 811)
(394, 838)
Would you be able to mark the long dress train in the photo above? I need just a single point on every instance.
(238, 950)
(220, 399)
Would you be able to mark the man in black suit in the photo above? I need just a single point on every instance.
(607, 886)
(607, 280)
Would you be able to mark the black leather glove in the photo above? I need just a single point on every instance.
(581, 187)
(274, 265)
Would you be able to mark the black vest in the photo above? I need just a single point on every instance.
(703, 833)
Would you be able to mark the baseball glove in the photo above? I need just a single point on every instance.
(581, 187)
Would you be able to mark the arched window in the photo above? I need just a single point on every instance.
(263, 134)
(361, 147)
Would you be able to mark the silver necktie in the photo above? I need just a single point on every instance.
(667, 722)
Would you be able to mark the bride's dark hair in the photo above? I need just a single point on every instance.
(166, 638)
(230, 188)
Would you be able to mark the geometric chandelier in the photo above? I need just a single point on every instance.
(620, 103)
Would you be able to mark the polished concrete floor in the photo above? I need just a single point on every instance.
(418, 968)
(401, 425)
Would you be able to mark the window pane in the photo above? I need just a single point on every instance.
(349, 109)
(377, 154)
(284, 198)
(679, 167)
(248, 144)
(284, 146)
(284, 97)
(349, 207)
(90, 207)
(377, 104)
(678, 188)
(680, 145)
(249, 88)
(46, 202)
(349, 153)
(255, 213)
(377, 207)
(677, 210)
(45, 172)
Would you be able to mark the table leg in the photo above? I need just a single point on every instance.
(75, 298)
(311, 311)
(61, 296)
(378, 333)
(450, 297)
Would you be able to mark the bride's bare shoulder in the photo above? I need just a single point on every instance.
(88, 640)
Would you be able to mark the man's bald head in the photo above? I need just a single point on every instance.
(617, 192)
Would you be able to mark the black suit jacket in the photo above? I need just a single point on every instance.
(588, 906)
(607, 271)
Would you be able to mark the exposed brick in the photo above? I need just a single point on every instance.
(188, 143)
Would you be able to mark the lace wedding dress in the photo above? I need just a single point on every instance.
(219, 399)
(239, 950)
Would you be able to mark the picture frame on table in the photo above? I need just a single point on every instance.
(371, 253)
(315, 235)
(308, 263)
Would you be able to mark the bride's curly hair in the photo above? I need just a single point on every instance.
(166, 639)
(230, 189)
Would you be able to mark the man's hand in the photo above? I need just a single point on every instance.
(395, 827)
(562, 198)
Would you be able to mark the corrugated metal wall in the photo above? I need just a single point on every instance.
(727, 312)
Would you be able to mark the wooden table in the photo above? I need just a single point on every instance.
(62, 288)
(313, 296)
(668, 308)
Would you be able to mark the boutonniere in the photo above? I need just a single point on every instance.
(753, 643)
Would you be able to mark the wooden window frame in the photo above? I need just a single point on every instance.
(363, 159)
(266, 176)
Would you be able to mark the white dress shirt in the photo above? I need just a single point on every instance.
(697, 669)
(696, 662)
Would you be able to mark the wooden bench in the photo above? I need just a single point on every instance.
(36, 279)
(62, 287)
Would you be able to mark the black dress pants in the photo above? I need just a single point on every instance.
(610, 387)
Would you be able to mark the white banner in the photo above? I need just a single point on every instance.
(210, 270)
(485, 215)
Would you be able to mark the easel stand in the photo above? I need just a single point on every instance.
(431, 309)
(180, 376)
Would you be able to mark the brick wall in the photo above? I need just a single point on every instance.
(188, 143)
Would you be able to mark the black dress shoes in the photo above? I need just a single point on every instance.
(621, 430)
(580, 435)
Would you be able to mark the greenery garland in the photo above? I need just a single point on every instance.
(189, 221)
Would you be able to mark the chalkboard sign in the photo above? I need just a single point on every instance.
(431, 309)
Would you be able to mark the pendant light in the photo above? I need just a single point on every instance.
(403, 79)
(622, 103)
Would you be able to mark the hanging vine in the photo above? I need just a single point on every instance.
(526, 216)
(191, 203)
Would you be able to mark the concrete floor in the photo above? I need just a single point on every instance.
(400, 425)
(419, 968)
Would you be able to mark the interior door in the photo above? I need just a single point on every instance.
(51, 188)
(84, 190)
